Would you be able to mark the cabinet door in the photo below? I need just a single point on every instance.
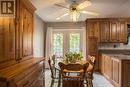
(114, 31)
(92, 49)
(116, 72)
(7, 39)
(122, 36)
(93, 29)
(107, 68)
(26, 32)
(102, 63)
(104, 27)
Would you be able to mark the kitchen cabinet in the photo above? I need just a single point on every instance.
(108, 30)
(114, 31)
(116, 69)
(92, 49)
(116, 74)
(93, 29)
(104, 31)
(106, 66)
(122, 35)
(118, 31)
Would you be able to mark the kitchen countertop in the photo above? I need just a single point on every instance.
(120, 56)
(113, 48)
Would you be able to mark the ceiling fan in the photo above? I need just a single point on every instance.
(75, 9)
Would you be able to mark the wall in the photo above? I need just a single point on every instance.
(66, 25)
(39, 36)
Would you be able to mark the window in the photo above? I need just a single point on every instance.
(67, 40)
(74, 42)
(58, 44)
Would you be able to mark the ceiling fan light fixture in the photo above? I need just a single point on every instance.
(84, 4)
(91, 13)
(58, 18)
(74, 15)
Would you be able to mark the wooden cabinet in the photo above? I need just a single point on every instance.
(16, 34)
(92, 48)
(106, 66)
(108, 30)
(118, 31)
(16, 43)
(7, 40)
(104, 31)
(25, 74)
(93, 29)
(111, 69)
(116, 69)
(114, 31)
(116, 72)
(122, 35)
(25, 26)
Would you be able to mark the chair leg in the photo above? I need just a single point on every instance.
(55, 71)
(89, 83)
(59, 80)
(52, 83)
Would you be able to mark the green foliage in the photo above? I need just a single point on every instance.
(73, 56)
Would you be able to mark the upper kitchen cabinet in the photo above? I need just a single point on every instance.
(93, 28)
(104, 31)
(118, 31)
(122, 31)
(25, 29)
(114, 31)
(108, 30)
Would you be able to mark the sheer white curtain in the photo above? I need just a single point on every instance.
(48, 42)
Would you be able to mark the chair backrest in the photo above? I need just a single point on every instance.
(53, 59)
(71, 80)
(51, 67)
(91, 60)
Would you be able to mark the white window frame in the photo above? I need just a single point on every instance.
(82, 32)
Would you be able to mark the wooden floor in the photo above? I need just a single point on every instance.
(99, 80)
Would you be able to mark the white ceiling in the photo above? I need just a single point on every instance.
(106, 8)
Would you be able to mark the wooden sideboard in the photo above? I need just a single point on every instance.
(116, 69)
(29, 73)
(18, 67)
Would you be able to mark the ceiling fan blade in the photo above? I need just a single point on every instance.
(84, 4)
(66, 14)
(90, 13)
(61, 6)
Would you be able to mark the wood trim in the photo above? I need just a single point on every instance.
(28, 5)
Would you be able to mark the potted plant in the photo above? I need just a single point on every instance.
(72, 57)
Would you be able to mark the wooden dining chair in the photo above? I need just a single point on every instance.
(53, 73)
(76, 74)
(90, 70)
